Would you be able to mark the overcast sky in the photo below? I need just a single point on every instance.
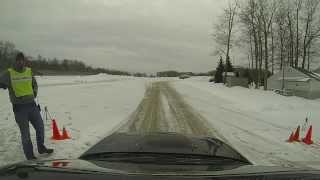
(131, 35)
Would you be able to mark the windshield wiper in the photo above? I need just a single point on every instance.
(223, 150)
(161, 158)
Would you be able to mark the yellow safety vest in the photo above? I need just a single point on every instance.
(21, 82)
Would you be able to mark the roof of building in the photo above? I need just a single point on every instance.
(294, 79)
(303, 76)
(309, 73)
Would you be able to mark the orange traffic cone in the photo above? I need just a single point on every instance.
(65, 134)
(55, 131)
(60, 163)
(56, 164)
(307, 139)
(290, 138)
(296, 135)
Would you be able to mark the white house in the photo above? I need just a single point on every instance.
(300, 82)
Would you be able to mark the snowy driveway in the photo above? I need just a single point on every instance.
(164, 110)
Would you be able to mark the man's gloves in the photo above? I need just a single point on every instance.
(2, 86)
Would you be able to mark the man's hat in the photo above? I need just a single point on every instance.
(20, 56)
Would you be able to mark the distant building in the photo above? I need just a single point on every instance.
(299, 82)
(239, 71)
(234, 79)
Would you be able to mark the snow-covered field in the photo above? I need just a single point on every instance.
(255, 122)
(89, 107)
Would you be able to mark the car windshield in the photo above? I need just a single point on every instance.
(225, 85)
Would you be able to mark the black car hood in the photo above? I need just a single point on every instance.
(92, 166)
(169, 143)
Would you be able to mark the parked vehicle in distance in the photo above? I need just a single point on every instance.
(184, 76)
(211, 79)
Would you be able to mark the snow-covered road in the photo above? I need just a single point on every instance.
(164, 110)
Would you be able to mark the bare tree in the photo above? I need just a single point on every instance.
(281, 32)
(312, 29)
(298, 4)
(230, 13)
(224, 31)
(267, 11)
(277, 32)
(249, 20)
(291, 37)
(272, 49)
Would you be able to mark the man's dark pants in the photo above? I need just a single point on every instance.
(25, 113)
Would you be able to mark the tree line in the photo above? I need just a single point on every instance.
(41, 65)
(173, 73)
(273, 34)
(44, 66)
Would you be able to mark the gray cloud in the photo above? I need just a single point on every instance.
(134, 35)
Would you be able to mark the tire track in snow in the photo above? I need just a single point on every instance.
(187, 118)
(235, 110)
(149, 116)
(164, 110)
(251, 150)
(252, 153)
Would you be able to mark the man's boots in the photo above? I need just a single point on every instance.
(45, 151)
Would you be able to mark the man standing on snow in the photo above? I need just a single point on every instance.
(23, 90)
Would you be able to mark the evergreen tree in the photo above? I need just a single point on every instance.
(229, 67)
(218, 77)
